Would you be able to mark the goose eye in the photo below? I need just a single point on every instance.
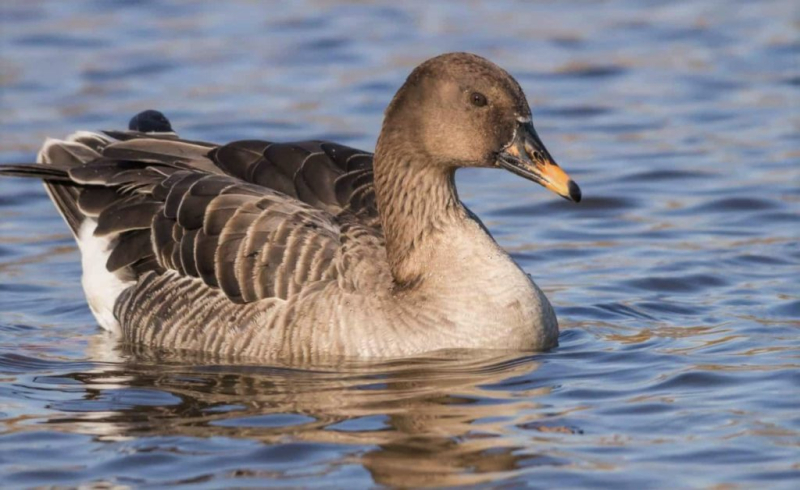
(478, 99)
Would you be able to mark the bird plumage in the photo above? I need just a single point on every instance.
(305, 249)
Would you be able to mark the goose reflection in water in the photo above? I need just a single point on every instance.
(447, 416)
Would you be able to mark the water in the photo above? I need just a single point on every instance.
(676, 280)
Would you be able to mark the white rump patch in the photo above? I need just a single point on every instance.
(102, 288)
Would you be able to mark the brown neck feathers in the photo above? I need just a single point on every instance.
(416, 199)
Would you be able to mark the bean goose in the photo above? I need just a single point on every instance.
(309, 249)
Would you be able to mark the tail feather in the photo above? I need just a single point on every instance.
(50, 173)
(59, 187)
(58, 157)
(80, 183)
(54, 162)
(65, 197)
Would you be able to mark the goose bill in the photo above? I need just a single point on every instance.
(527, 157)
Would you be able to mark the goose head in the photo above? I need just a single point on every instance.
(461, 110)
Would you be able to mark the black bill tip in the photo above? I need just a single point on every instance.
(574, 191)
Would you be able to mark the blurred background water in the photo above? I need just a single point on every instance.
(676, 280)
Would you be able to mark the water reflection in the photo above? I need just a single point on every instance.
(446, 415)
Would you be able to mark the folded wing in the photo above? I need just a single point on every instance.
(253, 219)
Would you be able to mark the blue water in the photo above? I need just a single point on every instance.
(675, 280)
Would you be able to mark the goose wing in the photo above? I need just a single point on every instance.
(253, 219)
(322, 174)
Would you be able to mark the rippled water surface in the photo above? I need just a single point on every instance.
(676, 280)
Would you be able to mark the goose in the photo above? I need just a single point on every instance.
(310, 249)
